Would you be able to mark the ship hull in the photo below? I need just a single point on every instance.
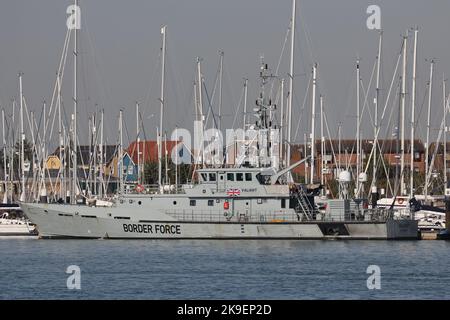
(55, 221)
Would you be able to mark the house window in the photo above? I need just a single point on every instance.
(212, 177)
(230, 176)
(130, 170)
(210, 203)
(248, 176)
(239, 177)
(193, 203)
(416, 156)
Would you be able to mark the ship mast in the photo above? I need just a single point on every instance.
(402, 118)
(75, 106)
(120, 166)
(377, 101)
(291, 85)
(221, 53)
(322, 143)
(138, 144)
(313, 121)
(444, 90)
(358, 128)
(101, 156)
(413, 107)
(430, 94)
(5, 176)
(22, 140)
(162, 101)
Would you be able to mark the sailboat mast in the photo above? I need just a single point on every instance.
(5, 175)
(221, 53)
(176, 162)
(200, 107)
(281, 122)
(162, 100)
(413, 108)
(291, 85)
(444, 90)
(60, 139)
(402, 118)
(75, 107)
(358, 128)
(138, 144)
(101, 155)
(322, 142)
(313, 118)
(377, 101)
(430, 94)
(22, 140)
(121, 168)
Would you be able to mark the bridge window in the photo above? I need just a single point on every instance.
(193, 203)
(204, 177)
(248, 176)
(230, 176)
(283, 203)
(239, 177)
(212, 177)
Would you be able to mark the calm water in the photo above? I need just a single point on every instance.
(35, 269)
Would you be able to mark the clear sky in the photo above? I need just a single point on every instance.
(120, 45)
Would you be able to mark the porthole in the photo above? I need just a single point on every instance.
(139, 202)
(174, 203)
(204, 191)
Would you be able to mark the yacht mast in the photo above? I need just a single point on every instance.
(5, 175)
(322, 142)
(221, 53)
(413, 108)
(101, 156)
(313, 118)
(121, 168)
(200, 108)
(430, 94)
(75, 106)
(162, 100)
(22, 140)
(444, 90)
(358, 128)
(291, 85)
(377, 101)
(281, 122)
(402, 118)
(137, 144)
(60, 139)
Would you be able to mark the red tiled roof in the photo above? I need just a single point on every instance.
(149, 150)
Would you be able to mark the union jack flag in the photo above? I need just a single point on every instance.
(233, 192)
